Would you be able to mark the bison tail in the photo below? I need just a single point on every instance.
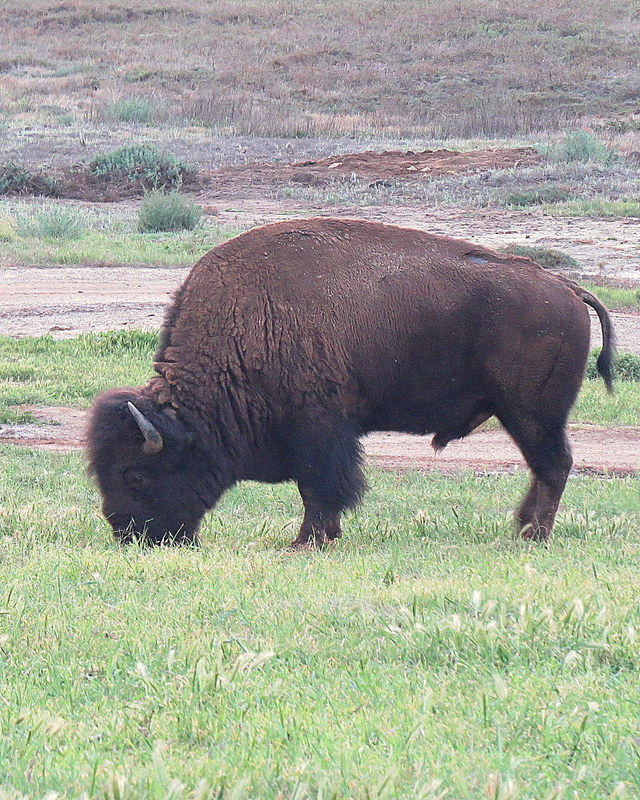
(605, 361)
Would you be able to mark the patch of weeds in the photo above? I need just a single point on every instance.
(626, 367)
(167, 211)
(547, 193)
(624, 207)
(15, 179)
(56, 222)
(543, 256)
(7, 230)
(615, 297)
(580, 146)
(131, 109)
(10, 416)
(139, 75)
(141, 163)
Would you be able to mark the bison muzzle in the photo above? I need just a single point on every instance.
(288, 343)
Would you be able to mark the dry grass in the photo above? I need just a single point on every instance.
(474, 67)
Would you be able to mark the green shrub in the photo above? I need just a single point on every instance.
(131, 109)
(626, 366)
(580, 146)
(167, 211)
(547, 193)
(15, 179)
(143, 163)
(541, 255)
(57, 222)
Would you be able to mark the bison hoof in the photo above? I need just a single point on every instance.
(534, 533)
(314, 541)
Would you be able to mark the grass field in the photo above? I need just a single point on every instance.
(427, 655)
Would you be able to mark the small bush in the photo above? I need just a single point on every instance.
(15, 179)
(580, 146)
(161, 211)
(131, 109)
(143, 163)
(547, 193)
(541, 255)
(626, 366)
(56, 222)
(7, 230)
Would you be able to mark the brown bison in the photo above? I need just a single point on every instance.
(288, 343)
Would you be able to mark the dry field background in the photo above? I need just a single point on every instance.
(406, 67)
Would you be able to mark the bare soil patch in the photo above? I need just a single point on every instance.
(606, 451)
(388, 166)
(76, 183)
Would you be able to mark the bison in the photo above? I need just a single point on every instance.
(289, 342)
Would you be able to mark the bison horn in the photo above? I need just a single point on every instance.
(152, 440)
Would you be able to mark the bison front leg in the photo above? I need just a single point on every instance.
(320, 525)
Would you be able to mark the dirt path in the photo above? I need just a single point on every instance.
(66, 301)
(596, 450)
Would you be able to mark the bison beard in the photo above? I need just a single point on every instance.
(286, 344)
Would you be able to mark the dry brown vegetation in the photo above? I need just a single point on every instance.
(467, 68)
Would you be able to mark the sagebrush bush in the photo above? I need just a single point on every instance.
(131, 109)
(547, 193)
(15, 179)
(541, 255)
(626, 366)
(580, 146)
(143, 163)
(167, 211)
(56, 222)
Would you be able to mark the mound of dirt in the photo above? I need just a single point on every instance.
(379, 168)
(77, 183)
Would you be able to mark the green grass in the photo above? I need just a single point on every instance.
(629, 207)
(546, 193)
(53, 222)
(617, 298)
(426, 655)
(117, 247)
(43, 371)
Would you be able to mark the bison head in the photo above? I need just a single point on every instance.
(154, 479)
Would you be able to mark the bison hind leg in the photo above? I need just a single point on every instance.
(544, 445)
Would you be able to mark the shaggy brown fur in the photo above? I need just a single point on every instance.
(287, 343)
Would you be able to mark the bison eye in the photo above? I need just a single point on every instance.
(136, 478)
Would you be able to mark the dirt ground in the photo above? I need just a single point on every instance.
(65, 301)
(249, 179)
(390, 165)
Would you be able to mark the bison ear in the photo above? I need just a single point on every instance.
(153, 442)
